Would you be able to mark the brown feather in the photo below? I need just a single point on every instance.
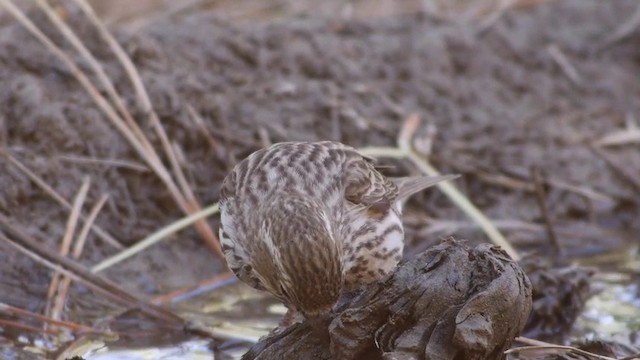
(305, 220)
(408, 186)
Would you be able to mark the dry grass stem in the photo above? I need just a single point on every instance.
(404, 150)
(8, 324)
(58, 198)
(15, 236)
(437, 226)
(581, 190)
(45, 261)
(541, 198)
(82, 236)
(102, 103)
(77, 252)
(408, 131)
(465, 205)
(621, 169)
(139, 142)
(621, 137)
(625, 29)
(97, 69)
(503, 180)
(199, 122)
(535, 345)
(6, 308)
(265, 139)
(126, 164)
(557, 350)
(156, 237)
(565, 65)
(512, 183)
(184, 195)
(54, 305)
(178, 295)
(147, 108)
(186, 199)
(495, 15)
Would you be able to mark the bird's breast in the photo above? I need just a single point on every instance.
(372, 245)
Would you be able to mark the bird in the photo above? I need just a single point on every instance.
(309, 221)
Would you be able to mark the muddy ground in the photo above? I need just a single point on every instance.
(536, 89)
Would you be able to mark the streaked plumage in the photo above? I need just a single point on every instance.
(307, 220)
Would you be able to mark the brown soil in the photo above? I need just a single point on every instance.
(500, 102)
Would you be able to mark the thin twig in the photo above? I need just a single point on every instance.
(58, 323)
(15, 236)
(59, 199)
(191, 204)
(82, 236)
(581, 190)
(443, 226)
(199, 122)
(630, 178)
(95, 95)
(467, 206)
(229, 137)
(510, 182)
(569, 349)
(565, 65)
(102, 103)
(542, 204)
(7, 324)
(408, 131)
(538, 344)
(630, 136)
(206, 285)
(155, 237)
(98, 70)
(186, 198)
(404, 150)
(54, 304)
(6, 308)
(624, 30)
(265, 139)
(77, 251)
(496, 15)
(126, 164)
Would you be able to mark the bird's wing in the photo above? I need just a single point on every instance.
(364, 185)
(410, 185)
(233, 234)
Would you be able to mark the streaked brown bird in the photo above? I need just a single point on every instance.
(308, 220)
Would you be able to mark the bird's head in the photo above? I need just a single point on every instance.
(300, 256)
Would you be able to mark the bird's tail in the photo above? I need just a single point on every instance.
(408, 186)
